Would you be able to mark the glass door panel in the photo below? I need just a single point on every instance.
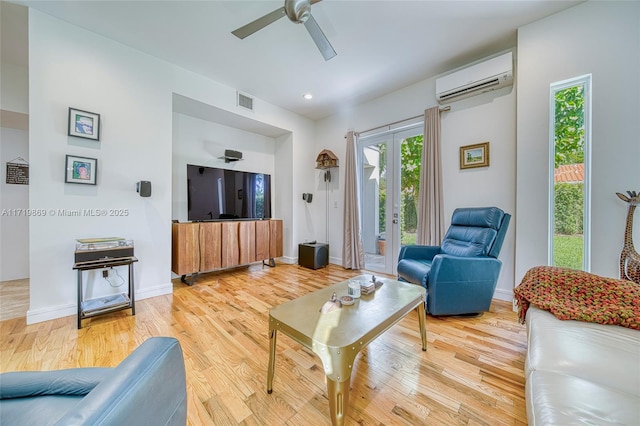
(390, 176)
(410, 169)
(374, 204)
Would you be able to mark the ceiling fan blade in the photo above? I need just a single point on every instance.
(259, 23)
(320, 39)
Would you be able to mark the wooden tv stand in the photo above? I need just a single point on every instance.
(207, 246)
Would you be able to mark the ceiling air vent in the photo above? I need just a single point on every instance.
(245, 101)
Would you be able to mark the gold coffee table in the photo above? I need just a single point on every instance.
(337, 336)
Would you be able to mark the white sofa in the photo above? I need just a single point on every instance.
(581, 373)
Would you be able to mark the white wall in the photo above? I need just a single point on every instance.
(487, 117)
(603, 39)
(133, 93)
(14, 200)
(202, 142)
(294, 155)
(14, 106)
(490, 119)
(14, 86)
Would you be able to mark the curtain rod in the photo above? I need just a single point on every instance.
(443, 109)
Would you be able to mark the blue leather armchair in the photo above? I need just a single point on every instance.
(461, 274)
(147, 388)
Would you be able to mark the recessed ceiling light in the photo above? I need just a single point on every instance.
(307, 96)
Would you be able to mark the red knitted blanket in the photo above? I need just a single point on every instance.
(579, 295)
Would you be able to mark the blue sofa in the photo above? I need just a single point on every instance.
(461, 274)
(147, 388)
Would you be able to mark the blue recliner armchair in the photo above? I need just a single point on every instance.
(461, 274)
(147, 388)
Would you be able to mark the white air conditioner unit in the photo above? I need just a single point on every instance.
(483, 77)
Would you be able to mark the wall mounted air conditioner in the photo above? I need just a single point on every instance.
(491, 74)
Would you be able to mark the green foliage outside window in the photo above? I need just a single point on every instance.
(569, 208)
(569, 126)
(410, 164)
(569, 138)
(382, 195)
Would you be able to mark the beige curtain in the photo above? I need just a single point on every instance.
(352, 248)
(430, 209)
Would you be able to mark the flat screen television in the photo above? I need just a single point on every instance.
(222, 194)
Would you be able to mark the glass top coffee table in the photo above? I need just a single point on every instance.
(337, 336)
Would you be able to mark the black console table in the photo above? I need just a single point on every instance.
(111, 303)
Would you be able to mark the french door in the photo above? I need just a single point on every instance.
(389, 184)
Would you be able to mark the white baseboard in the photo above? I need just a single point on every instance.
(505, 295)
(159, 290)
(46, 314)
(50, 313)
(288, 260)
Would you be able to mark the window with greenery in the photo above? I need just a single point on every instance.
(569, 245)
(410, 166)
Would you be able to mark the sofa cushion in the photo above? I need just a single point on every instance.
(558, 399)
(583, 349)
(581, 372)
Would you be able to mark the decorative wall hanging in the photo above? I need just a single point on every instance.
(81, 170)
(326, 160)
(17, 172)
(474, 155)
(84, 124)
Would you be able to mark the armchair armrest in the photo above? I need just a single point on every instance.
(448, 268)
(415, 251)
(148, 387)
(70, 382)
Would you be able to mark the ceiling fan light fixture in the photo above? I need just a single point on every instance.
(298, 11)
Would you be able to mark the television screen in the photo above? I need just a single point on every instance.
(222, 194)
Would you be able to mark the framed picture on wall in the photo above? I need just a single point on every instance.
(474, 155)
(81, 170)
(84, 124)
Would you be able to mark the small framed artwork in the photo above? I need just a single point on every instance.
(81, 170)
(84, 124)
(474, 155)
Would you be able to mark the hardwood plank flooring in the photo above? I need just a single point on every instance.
(471, 373)
(14, 298)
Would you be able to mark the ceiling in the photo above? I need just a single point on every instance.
(382, 45)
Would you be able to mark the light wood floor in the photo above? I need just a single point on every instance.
(14, 298)
(471, 373)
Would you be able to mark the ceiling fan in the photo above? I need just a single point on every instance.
(298, 11)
